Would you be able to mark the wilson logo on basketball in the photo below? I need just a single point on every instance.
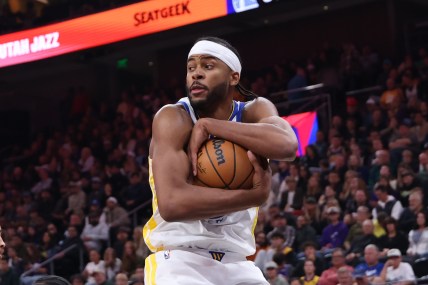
(218, 151)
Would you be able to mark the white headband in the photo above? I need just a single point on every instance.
(219, 51)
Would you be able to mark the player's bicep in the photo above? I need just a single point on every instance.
(262, 110)
(171, 169)
(171, 166)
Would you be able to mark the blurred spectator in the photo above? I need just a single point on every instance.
(45, 182)
(284, 264)
(311, 157)
(276, 241)
(408, 217)
(386, 203)
(76, 201)
(46, 246)
(409, 182)
(136, 193)
(112, 264)
(122, 236)
(45, 204)
(418, 237)
(394, 238)
(14, 261)
(356, 229)
(117, 180)
(86, 161)
(67, 263)
(313, 189)
(141, 248)
(77, 221)
(262, 221)
(95, 263)
(397, 271)
(95, 232)
(271, 272)
(309, 278)
(330, 276)
(7, 275)
(292, 196)
(313, 215)
(328, 196)
(77, 279)
(400, 139)
(138, 275)
(261, 243)
(100, 278)
(379, 224)
(382, 157)
(392, 96)
(411, 85)
(96, 193)
(304, 233)
(121, 279)
(114, 214)
(423, 164)
(280, 226)
(334, 234)
(420, 129)
(309, 253)
(344, 276)
(359, 244)
(371, 267)
(130, 260)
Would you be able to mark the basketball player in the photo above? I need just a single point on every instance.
(202, 235)
(2, 244)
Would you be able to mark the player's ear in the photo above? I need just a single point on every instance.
(234, 78)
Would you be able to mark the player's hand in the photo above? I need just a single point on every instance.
(198, 137)
(262, 178)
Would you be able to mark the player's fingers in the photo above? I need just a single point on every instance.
(194, 157)
(259, 160)
(254, 161)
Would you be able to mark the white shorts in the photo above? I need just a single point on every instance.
(190, 267)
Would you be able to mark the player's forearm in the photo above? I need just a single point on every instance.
(195, 202)
(268, 140)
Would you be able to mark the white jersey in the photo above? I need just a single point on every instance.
(230, 233)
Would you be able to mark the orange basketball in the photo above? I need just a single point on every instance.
(224, 164)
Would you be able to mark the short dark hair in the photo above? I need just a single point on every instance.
(277, 234)
(309, 260)
(51, 280)
(309, 244)
(381, 188)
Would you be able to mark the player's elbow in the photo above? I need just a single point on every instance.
(289, 149)
(166, 211)
(169, 210)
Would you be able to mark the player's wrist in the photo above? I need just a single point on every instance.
(205, 124)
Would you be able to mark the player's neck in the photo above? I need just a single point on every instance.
(223, 111)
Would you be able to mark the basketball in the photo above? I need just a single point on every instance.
(224, 164)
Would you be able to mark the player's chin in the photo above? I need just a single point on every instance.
(197, 100)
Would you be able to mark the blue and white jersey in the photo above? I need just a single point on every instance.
(230, 233)
(235, 116)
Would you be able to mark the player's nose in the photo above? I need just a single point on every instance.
(198, 74)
